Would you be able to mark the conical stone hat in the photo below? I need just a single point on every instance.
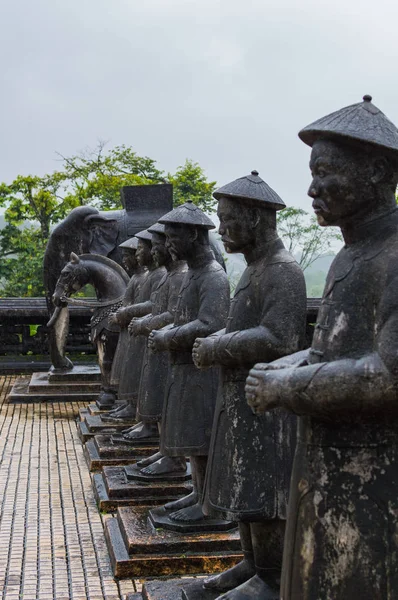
(144, 235)
(188, 214)
(251, 187)
(362, 122)
(130, 244)
(157, 228)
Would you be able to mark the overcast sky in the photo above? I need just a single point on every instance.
(227, 83)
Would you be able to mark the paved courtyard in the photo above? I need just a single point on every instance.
(51, 533)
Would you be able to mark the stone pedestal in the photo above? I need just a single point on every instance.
(112, 489)
(137, 549)
(159, 518)
(174, 589)
(101, 451)
(92, 425)
(80, 384)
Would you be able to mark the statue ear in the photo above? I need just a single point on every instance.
(381, 170)
(74, 258)
(97, 219)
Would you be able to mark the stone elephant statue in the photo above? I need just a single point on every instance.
(88, 231)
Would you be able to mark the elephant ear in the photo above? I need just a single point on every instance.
(102, 235)
(74, 259)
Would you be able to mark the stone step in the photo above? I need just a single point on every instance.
(100, 452)
(113, 490)
(137, 549)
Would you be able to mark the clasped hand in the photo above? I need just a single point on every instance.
(201, 352)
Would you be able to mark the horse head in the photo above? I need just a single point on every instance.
(73, 277)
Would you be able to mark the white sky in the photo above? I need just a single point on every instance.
(224, 82)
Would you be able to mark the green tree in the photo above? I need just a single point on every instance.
(33, 205)
(190, 183)
(303, 237)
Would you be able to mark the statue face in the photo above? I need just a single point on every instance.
(159, 251)
(129, 260)
(179, 240)
(236, 225)
(341, 186)
(143, 254)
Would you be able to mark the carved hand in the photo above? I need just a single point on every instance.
(113, 320)
(156, 341)
(134, 327)
(262, 393)
(202, 352)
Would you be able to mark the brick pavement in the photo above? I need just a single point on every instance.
(51, 533)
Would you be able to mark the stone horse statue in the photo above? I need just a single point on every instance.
(109, 280)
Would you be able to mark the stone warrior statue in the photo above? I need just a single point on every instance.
(138, 275)
(341, 535)
(250, 457)
(131, 370)
(202, 309)
(156, 364)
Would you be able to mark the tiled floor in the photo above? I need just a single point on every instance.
(51, 533)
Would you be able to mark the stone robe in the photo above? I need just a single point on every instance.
(188, 409)
(156, 364)
(131, 371)
(342, 529)
(251, 456)
(130, 298)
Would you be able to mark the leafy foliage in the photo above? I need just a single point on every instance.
(303, 237)
(33, 204)
(21, 261)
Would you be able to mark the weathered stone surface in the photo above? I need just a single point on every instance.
(138, 550)
(112, 490)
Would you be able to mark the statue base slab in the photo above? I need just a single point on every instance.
(160, 518)
(94, 425)
(78, 374)
(118, 438)
(133, 473)
(92, 409)
(113, 490)
(80, 384)
(174, 589)
(194, 590)
(137, 549)
(100, 451)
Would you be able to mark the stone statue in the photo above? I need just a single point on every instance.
(73, 234)
(202, 309)
(156, 364)
(109, 281)
(341, 534)
(250, 457)
(86, 230)
(131, 370)
(137, 275)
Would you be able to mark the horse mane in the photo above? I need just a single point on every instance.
(107, 262)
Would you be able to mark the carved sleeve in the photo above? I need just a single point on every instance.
(367, 385)
(281, 300)
(213, 291)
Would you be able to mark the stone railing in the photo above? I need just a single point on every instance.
(23, 332)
